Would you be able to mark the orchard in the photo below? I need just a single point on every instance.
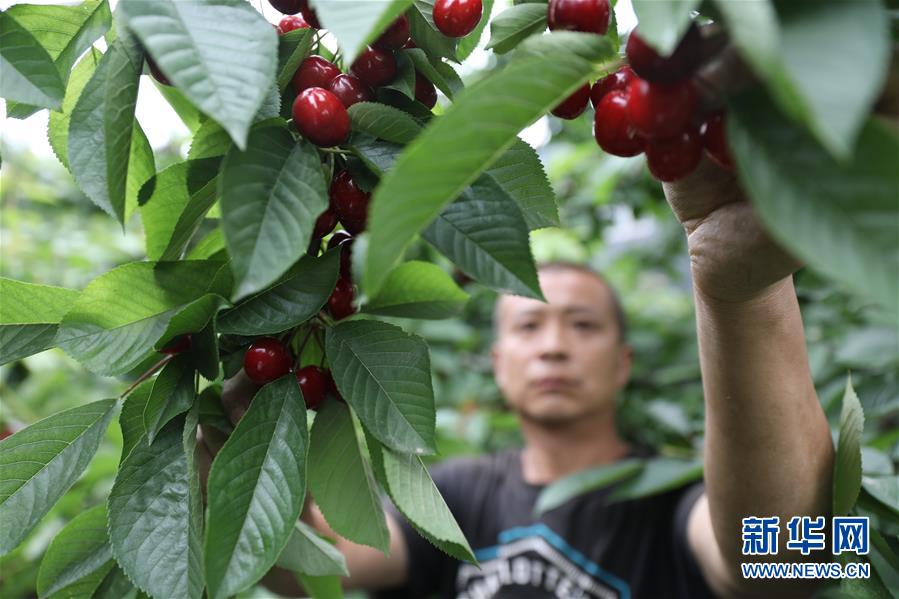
(347, 191)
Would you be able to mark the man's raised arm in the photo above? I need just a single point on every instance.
(768, 450)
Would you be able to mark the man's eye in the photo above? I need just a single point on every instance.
(586, 325)
(527, 326)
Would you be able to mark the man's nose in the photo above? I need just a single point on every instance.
(553, 342)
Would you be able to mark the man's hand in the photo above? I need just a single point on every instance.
(733, 258)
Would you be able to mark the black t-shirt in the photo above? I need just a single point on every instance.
(583, 549)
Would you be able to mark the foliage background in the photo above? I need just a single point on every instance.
(615, 218)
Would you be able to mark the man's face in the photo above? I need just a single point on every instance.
(563, 360)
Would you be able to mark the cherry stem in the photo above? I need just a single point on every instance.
(150, 372)
(340, 151)
(302, 345)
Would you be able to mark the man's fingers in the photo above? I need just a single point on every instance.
(237, 393)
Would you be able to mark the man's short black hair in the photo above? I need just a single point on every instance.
(555, 265)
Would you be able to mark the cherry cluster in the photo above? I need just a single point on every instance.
(649, 106)
(652, 106)
(267, 359)
(324, 93)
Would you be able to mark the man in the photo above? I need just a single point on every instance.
(560, 365)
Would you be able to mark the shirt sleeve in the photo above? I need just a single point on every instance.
(692, 580)
(429, 568)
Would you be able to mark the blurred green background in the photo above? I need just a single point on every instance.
(615, 218)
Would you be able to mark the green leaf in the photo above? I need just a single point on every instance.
(357, 22)
(581, 482)
(293, 47)
(442, 76)
(839, 218)
(425, 33)
(385, 375)
(180, 197)
(172, 394)
(341, 480)
(484, 233)
(476, 130)
(418, 290)
(208, 246)
(308, 553)
(78, 557)
(322, 587)
(385, 122)
(839, 94)
(657, 476)
(58, 127)
(204, 351)
(27, 72)
(150, 517)
(415, 495)
(884, 489)
(520, 173)
(131, 419)
(38, 464)
(379, 156)
(209, 141)
(847, 467)
(30, 316)
(662, 24)
(227, 81)
(256, 489)
(121, 314)
(100, 132)
(64, 31)
(514, 24)
(287, 304)
(115, 585)
(468, 43)
(271, 196)
(404, 80)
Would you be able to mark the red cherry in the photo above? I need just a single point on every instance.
(288, 7)
(648, 64)
(611, 128)
(714, 138)
(572, 106)
(266, 360)
(314, 71)
(457, 18)
(291, 22)
(425, 92)
(374, 67)
(177, 345)
(313, 384)
(324, 224)
(340, 303)
(6, 432)
(619, 80)
(590, 16)
(156, 73)
(395, 36)
(309, 14)
(672, 158)
(349, 202)
(350, 90)
(320, 117)
(660, 110)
